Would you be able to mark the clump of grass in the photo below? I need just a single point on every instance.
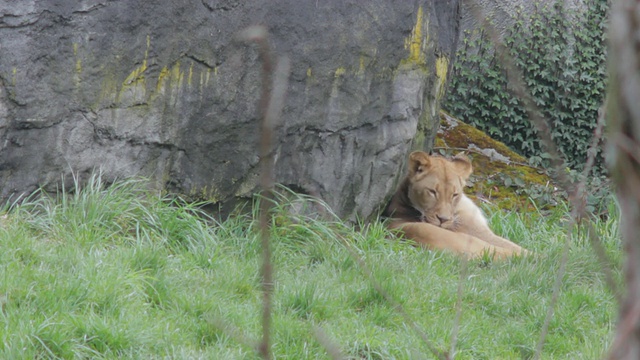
(118, 271)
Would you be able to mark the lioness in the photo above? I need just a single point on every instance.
(431, 208)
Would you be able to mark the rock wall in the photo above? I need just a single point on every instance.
(163, 90)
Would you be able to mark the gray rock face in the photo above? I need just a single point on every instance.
(161, 89)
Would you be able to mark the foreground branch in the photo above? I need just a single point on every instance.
(271, 102)
(624, 116)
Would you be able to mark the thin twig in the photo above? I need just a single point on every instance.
(627, 145)
(554, 295)
(515, 78)
(579, 207)
(233, 332)
(271, 100)
(332, 349)
(626, 327)
(456, 320)
(625, 164)
(605, 262)
(397, 306)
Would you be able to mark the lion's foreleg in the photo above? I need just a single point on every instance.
(433, 237)
(485, 234)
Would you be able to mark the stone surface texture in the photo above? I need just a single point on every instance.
(164, 90)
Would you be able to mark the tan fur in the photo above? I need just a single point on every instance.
(430, 208)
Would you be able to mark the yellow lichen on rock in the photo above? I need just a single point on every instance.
(415, 42)
(133, 89)
(164, 73)
(177, 76)
(190, 75)
(170, 78)
(205, 193)
(361, 67)
(442, 67)
(78, 60)
(138, 73)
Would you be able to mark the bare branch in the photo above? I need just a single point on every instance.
(332, 349)
(627, 326)
(456, 320)
(626, 144)
(271, 101)
(515, 78)
(232, 331)
(397, 306)
(554, 296)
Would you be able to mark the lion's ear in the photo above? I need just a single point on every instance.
(462, 164)
(419, 161)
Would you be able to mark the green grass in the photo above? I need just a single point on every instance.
(118, 272)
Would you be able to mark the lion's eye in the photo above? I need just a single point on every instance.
(433, 192)
(455, 195)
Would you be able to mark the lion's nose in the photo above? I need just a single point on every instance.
(443, 219)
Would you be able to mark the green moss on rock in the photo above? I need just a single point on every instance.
(501, 176)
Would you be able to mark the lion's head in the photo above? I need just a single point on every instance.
(436, 186)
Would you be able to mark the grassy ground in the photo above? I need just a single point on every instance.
(121, 273)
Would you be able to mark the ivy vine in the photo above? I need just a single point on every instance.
(562, 55)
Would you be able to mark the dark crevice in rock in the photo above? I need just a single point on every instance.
(34, 123)
(90, 9)
(155, 144)
(325, 131)
(201, 61)
(108, 134)
(137, 105)
(220, 5)
(17, 21)
(11, 97)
